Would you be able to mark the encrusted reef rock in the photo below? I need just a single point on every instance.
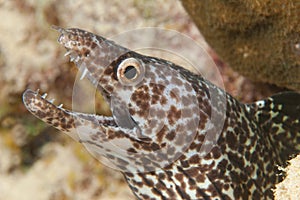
(260, 39)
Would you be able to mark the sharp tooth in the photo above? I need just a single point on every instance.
(94, 82)
(85, 71)
(77, 59)
(67, 53)
(44, 95)
(37, 91)
(52, 100)
(60, 106)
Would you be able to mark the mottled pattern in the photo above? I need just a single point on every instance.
(173, 134)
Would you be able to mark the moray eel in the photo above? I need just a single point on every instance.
(173, 134)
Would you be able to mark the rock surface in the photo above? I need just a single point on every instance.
(289, 188)
(260, 39)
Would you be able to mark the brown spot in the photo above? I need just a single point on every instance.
(144, 88)
(184, 164)
(88, 42)
(161, 176)
(171, 135)
(131, 150)
(173, 115)
(174, 96)
(122, 162)
(94, 45)
(163, 100)
(131, 110)
(142, 93)
(236, 160)
(134, 97)
(145, 196)
(161, 186)
(171, 193)
(161, 134)
(194, 159)
(136, 145)
(41, 114)
(200, 178)
(237, 192)
(193, 172)
(154, 99)
(231, 139)
(157, 88)
(179, 177)
(193, 146)
(128, 174)
(147, 147)
(108, 70)
(155, 146)
(144, 108)
(155, 191)
(188, 87)
(111, 157)
(109, 88)
(176, 81)
(137, 183)
(216, 152)
(148, 182)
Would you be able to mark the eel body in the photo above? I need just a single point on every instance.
(173, 134)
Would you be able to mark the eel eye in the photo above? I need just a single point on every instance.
(130, 72)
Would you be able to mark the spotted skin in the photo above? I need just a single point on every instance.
(173, 134)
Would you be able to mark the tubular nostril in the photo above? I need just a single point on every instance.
(28, 95)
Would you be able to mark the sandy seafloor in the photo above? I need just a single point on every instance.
(38, 162)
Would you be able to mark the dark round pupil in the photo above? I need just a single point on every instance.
(130, 72)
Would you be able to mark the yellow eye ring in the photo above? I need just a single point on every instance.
(130, 72)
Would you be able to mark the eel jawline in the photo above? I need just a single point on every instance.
(62, 119)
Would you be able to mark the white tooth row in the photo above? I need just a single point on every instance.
(51, 101)
(73, 56)
(44, 95)
(75, 59)
(85, 71)
(68, 53)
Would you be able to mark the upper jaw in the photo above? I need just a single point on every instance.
(92, 55)
(95, 57)
(79, 45)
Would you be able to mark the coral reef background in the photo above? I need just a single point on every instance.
(38, 162)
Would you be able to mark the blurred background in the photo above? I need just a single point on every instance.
(38, 162)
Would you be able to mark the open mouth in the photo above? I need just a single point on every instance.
(147, 129)
(101, 136)
(79, 45)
